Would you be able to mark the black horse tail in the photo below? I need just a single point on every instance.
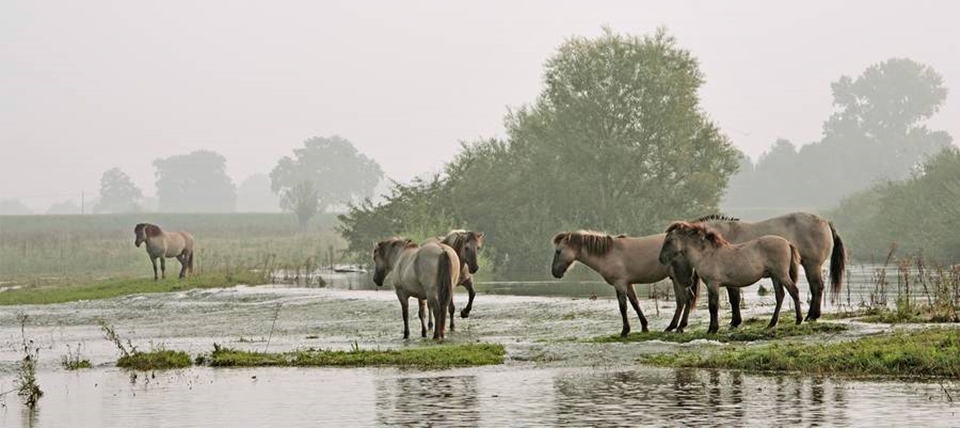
(190, 262)
(694, 289)
(838, 263)
(794, 263)
(445, 284)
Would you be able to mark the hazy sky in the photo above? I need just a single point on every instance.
(89, 85)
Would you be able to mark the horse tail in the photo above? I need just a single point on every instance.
(838, 262)
(190, 262)
(445, 283)
(794, 263)
(694, 289)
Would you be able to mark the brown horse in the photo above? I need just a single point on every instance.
(467, 244)
(161, 245)
(814, 237)
(622, 262)
(721, 264)
(428, 273)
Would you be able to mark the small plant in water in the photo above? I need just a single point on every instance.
(72, 360)
(27, 387)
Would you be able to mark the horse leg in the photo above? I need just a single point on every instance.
(452, 310)
(795, 295)
(622, 300)
(778, 292)
(468, 284)
(154, 261)
(815, 279)
(404, 310)
(183, 265)
(688, 292)
(680, 294)
(163, 267)
(632, 295)
(713, 293)
(439, 313)
(421, 313)
(734, 294)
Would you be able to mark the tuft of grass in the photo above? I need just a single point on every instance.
(750, 331)
(108, 288)
(72, 360)
(931, 352)
(155, 360)
(432, 357)
(27, 387)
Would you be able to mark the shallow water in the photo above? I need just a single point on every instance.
(548, 379)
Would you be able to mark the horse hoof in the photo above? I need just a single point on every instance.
(624, 333)
(670, 328)
(644, 329)
(679, 330)
(464, 314)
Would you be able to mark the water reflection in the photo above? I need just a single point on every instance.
(430, 401)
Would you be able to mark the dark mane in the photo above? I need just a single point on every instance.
(595, 243)
(148, 229)
(715, 217)
(698, 231)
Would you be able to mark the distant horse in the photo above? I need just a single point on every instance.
(622, 262)
(814, 237)
(467, 244)
(428, 273)
(161, 245)
(721, 264)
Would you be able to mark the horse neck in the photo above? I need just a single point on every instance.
(699, 255)
(593, 261)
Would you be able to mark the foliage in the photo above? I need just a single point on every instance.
(617, 126)
(431, 356)
(118, 194)
(919, 214)
(303, 200)
(195, 182)
(27, 387)
(931, 352)
(877, 133)
(337, 171)
(254, 195)
(73, 360)
(155, 360)
(752, 330)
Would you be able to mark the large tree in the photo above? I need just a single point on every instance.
(118, 193)
(338, 173)
(254, 195)
(195, 182)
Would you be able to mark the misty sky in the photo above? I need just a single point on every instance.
(89, 85)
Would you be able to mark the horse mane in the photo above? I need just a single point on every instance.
(698, 231)
(150, 230)
(396, 241)
(458, 238)
(596, 243)
(715, 217)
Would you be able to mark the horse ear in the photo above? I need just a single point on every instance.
(560, 237)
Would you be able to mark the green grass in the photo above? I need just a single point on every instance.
(931, 352)
(155, 360)
(751, 330)
(60, 291)
(432, 357)
(918, 315)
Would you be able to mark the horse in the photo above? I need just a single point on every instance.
(161, 245)
(467, 244)
(623, 261)
(427, 272)
(722, 264)
(815, 238)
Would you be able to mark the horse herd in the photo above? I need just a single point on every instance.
(720, 251)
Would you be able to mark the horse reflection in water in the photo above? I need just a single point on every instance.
(428, 401)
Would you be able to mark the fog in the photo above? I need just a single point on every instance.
(88, 86)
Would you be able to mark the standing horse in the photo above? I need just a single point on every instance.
(721, 264)
(622, 262)
(467, 244)
(814, 237)
(428, 273)
(161, 245)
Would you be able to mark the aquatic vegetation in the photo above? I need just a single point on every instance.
(751, 330)
(155, 360)
(431, 356)
(26, 381)
(72, 360)
(931, 352)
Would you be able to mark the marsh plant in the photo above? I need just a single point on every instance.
(157, 358)
(73, 359)
(26, 382)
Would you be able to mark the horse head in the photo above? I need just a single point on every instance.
(565, 253)
(681, 235)
(384, 255)
(142, 230)
(467, 244)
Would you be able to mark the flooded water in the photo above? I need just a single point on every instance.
(547, 379)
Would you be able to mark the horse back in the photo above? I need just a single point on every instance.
(640, 258)
(810, 233)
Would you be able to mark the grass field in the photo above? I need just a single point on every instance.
(78, 248)
(432, 356)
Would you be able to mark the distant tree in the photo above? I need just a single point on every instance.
(195, 182)
(254, 195)
(118, 194)
(13, 207)
(65, 207)
(337, 171)
(302, 200)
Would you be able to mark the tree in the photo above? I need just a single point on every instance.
(337, 171)
(302, 200)
(195, 182)
(13, 207)
(254, 195)
(118, 194)
(616, 141)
